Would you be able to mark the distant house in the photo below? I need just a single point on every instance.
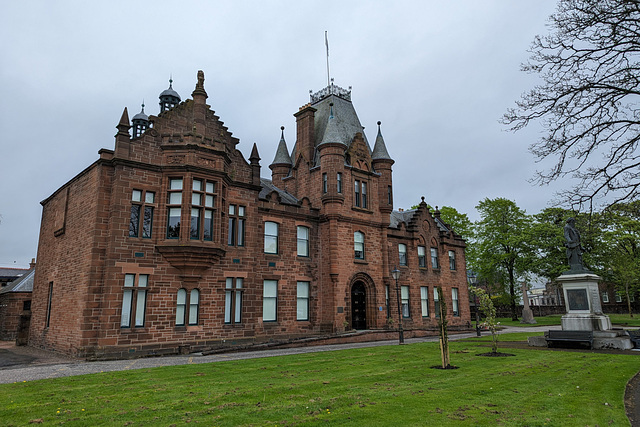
(15, 307)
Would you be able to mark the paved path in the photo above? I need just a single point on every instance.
(37, 365)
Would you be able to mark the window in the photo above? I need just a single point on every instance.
(141, 203)
(364, 194)
(233, 300)
(174, 207)
(134, 300)
(360, 194)
(605, 296)
(303, 301)
(434, 258)
(422, 259)
(402, 253)
(339, 177)
(270, 237)
(424, 300)
(436, 301)
(181, 305)
(404, 296)
(389, 195)
(303, 241)
(386, 300)
(236, 225)
(194, 306)
(270, 301)
(452, 260)
(49, 300)
(358, 244)
(618, 297)
(324, 183)
(202, 204)
(454, 301)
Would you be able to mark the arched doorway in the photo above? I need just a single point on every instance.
(358, 306)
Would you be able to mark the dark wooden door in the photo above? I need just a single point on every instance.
(359, 306)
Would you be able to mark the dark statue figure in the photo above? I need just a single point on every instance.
(574, 248)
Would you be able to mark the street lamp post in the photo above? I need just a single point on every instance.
(473, 278)
(396, 274)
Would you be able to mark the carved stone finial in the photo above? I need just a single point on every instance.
(199, 94)
(422, 198)
(200, 84)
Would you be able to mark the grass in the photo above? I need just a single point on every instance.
(616, 320)
(372, 386)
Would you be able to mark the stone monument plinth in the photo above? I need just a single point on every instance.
(582, 301)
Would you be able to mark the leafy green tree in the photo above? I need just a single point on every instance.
(622, 243)
(489, 311)
(459, 222)
(546, 236)
(587, 101)
(500, 249)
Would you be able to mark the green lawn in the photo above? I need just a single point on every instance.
(616, 320)
(391, 385)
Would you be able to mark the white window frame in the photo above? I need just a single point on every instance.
(424, 300)
(303, 241)
(302, 301)
(234, 287)
(134, 300)
(358, 244)
(455, 303)
(270, 239)
(270, 301)
(404, 298)
(402, 254)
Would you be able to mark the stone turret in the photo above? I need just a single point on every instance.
(281, 165)
(382, 162)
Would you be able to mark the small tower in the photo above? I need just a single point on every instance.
(382, 162)
(140, 123)
(281, 165)
(169, 98)
(331, 152)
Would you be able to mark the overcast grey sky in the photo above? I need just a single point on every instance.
(438, 74)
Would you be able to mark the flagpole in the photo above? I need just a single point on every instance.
(326, 42)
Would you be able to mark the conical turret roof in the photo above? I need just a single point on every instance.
(282, 153)
(380, 149)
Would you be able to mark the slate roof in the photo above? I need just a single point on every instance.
(22, 284)
(12, 272)
(441, 225)
(380, 149)
(282, 153)
(268, 187)
(345, 123)
(405, 216)
(398, 217)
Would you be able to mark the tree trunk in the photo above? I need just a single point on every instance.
(512, 292)
(626, 292)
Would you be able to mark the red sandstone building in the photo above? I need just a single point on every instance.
(173, 242)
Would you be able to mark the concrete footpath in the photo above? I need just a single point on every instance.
(18, 364)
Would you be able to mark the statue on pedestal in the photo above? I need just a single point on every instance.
(574, 248)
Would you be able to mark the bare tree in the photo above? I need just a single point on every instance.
(588, 102)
